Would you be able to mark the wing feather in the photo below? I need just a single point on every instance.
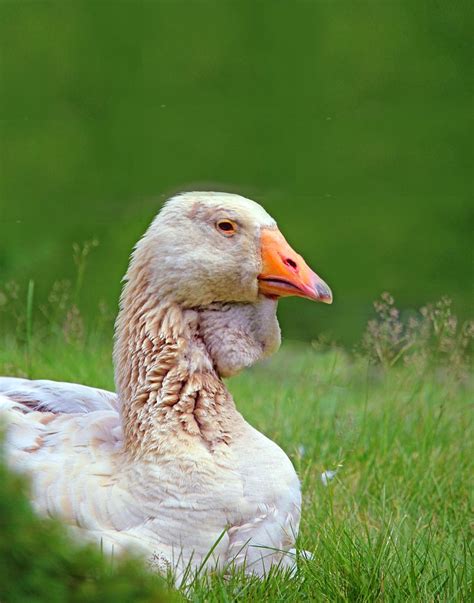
(56, 396)
(74, 460)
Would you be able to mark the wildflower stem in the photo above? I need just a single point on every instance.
(404, 349)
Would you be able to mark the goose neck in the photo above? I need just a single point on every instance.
(167, 384)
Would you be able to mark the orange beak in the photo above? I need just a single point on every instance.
(284, 272)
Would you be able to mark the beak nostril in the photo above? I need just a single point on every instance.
(290, 262)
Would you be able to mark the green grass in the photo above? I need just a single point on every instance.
(393, 525)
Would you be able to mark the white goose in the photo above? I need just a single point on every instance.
(168, 467)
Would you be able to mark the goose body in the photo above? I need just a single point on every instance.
(168, 467)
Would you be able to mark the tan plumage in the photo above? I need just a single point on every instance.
(169, 466)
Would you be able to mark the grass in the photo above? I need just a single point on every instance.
(394, 522)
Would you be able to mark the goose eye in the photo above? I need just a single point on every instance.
(227, 227)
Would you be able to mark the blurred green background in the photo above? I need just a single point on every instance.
(349, 121)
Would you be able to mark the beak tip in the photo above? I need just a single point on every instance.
(323, 292)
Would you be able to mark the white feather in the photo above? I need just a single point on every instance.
(170, 512)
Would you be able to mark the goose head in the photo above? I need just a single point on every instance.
(199, 303)
(207, 247)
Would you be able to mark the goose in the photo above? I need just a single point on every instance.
(167, 466)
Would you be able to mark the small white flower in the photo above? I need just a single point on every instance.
(327, 476)
(301, 450)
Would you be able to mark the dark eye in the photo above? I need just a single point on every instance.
(227, 227)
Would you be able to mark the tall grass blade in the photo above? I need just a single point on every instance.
(29, 326)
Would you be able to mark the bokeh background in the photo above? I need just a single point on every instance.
(349, 121)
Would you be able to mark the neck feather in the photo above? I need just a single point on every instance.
(166, 382)
(169, 361)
